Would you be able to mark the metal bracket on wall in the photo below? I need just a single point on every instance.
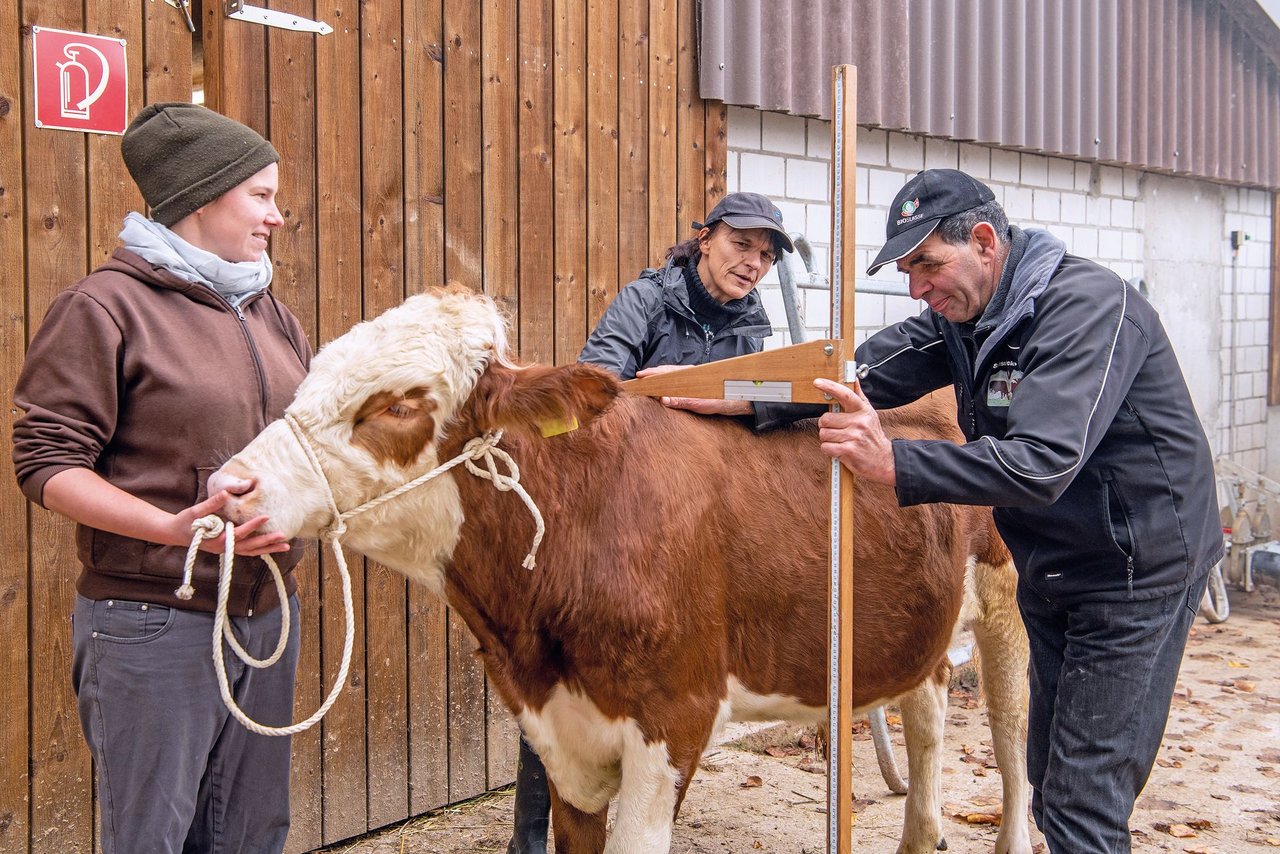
(273, 18)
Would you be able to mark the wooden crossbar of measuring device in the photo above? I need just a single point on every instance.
(786, 374)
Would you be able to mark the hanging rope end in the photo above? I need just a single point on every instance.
(185, 592)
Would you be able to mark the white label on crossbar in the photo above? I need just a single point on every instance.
(778, 392)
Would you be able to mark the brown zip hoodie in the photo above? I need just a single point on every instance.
(152, 382)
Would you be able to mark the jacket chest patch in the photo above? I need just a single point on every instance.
(1001, 383)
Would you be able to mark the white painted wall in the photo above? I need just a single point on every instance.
(1172, 232)
(1183, 273)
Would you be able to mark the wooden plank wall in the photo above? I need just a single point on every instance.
(543, 151)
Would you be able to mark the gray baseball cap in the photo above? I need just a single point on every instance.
(748, 210)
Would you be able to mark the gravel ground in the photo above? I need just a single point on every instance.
(1215, 789)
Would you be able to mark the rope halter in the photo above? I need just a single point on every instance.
(483, 448)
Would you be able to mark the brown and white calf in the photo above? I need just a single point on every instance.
(682, 579)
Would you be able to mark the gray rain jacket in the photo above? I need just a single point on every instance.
(1081, 431)
(650, 323)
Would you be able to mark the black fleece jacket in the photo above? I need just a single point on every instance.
(1081, 431)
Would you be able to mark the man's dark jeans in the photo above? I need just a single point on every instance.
(1102, 677)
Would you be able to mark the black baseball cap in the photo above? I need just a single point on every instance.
(748, 210)
(923, 202)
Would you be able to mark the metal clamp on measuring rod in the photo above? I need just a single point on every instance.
(273, 18)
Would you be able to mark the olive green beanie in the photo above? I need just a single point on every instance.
(183, 156)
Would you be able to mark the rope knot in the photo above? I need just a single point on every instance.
(211, 525)
(206, 527)
(334, 532)
(486, 448)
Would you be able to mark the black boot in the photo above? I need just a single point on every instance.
(533, 805)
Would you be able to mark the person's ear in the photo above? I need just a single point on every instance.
(704, 239)
(984, 234)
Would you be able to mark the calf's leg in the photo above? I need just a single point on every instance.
(924, 710)
(1002, 658)
(575, 831)
(651, 787)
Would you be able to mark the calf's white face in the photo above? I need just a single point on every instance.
(374, 408)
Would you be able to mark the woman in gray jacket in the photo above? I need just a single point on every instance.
(701, 306)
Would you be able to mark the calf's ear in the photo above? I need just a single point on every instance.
(535, 398)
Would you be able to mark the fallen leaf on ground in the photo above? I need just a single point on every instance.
(982, 818)
(1244, 685)
(752, 782)
(1237, 664)
(1179, 831)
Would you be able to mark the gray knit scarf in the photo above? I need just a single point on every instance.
(159, 245)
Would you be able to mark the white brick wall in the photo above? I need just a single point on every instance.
(1245, 301)
(788, 159)
(1097, 210)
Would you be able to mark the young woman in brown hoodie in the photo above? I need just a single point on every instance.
(143, 376)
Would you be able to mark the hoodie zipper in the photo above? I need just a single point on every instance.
(257, 359)
(262, 402)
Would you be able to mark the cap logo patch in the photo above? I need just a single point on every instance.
(910, 212)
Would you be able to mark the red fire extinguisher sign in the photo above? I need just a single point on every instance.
(81, 81)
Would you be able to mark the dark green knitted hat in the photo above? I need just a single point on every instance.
(183, 156)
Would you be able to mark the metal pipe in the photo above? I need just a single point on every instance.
(787, 278)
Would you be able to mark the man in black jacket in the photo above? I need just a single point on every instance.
(1082, 435)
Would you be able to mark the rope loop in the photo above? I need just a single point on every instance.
(480, 448)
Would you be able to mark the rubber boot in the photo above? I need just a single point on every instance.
(533, 805)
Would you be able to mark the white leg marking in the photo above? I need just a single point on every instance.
(924, 710)
(1002, 645)
(647, 799)
(591, 758)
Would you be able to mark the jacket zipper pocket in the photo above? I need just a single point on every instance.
(1121, 531)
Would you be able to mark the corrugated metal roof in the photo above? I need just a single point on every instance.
(1182, 86)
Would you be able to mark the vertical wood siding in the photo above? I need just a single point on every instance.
(543, 151)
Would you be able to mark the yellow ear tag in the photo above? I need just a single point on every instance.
(558, 426)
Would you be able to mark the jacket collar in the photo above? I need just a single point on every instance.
(750, 318)
(134, 265)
